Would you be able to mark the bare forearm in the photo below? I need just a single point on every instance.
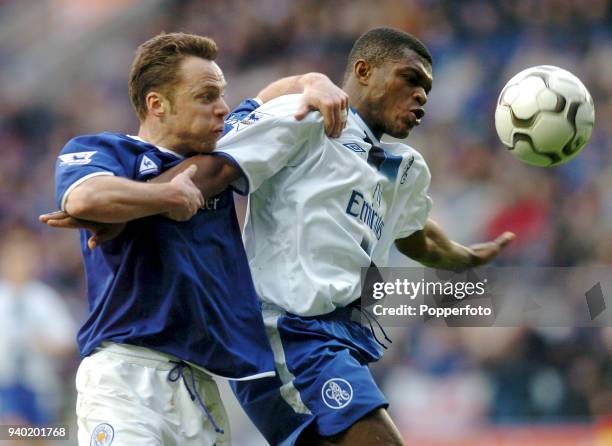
(432, 247)
(286, 85)
(213, 176)
(451, 255)
(118, 200)
(291, 85)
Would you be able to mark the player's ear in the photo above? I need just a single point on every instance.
(157, 104)
(362, 71)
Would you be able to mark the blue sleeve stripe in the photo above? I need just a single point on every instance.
(244, 190)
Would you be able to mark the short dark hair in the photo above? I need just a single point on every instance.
(380, 45)
(157, 62)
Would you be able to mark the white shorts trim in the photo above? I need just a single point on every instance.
(269, 374)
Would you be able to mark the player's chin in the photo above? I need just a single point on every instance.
(208, 146)
(400, 132)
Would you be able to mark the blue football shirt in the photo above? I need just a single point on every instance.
(182, 288)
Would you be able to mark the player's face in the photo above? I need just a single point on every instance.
(398, 91)
(196, 115)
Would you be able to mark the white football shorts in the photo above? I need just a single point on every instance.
(125, 398)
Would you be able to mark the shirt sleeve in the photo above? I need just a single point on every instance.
(81, 160)
(416, 211)
(245, 108)
(266, 140)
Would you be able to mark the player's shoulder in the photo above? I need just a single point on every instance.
(112, 142)
(415, 160)
(405, 151)
(276, 115)
(94, 139)
(282, 105)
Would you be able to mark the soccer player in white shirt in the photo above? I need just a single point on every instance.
(320, 209)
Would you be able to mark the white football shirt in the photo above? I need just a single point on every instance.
(320, 209)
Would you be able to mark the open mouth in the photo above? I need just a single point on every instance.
(416, 114)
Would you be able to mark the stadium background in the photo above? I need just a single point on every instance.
(64, 72)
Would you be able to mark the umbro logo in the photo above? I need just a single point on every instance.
(354, 147)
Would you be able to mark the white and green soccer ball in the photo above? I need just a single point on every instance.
(544, 116)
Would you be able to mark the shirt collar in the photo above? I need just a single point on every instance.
(161, 149)
(364, 126)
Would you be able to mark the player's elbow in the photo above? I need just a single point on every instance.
(76, 208)
(227, 174)
(215, 174)
(81, 202)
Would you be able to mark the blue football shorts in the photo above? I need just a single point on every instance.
(322, 378)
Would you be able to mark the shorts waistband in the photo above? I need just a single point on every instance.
(340, 313)
(147, 357)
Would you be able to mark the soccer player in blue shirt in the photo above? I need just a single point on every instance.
(171, 300)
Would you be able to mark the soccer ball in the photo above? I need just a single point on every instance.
(544, 116)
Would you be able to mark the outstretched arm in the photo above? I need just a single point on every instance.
(103, 204)
(110, 199)
(432, 247)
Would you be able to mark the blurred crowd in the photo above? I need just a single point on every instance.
(57, 82)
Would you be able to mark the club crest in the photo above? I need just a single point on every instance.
(102, 435)
(337, 393)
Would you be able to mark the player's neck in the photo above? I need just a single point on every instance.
(154, 136)
(367, 117)
(360, 103)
